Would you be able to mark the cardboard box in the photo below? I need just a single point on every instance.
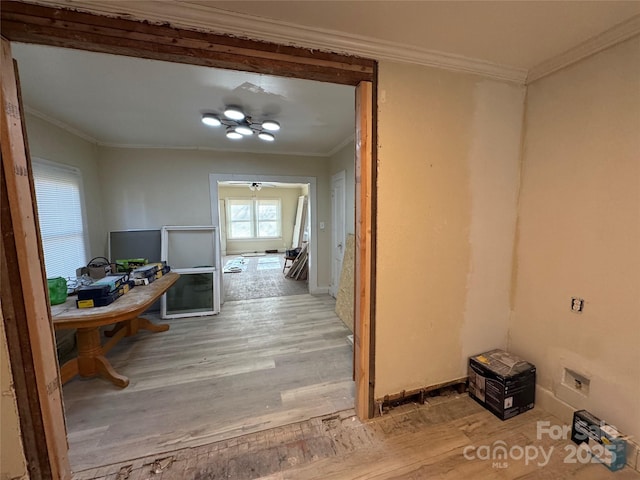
(602, 441)
(502, 383)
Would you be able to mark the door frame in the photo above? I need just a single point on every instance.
(341, 176)
(215, 178)
(113, 34)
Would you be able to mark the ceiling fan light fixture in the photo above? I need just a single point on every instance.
(244, 130)
(234, 113)
(233, 135)
(267, 137)
(211, 120)
(238, 125)
(271, 125)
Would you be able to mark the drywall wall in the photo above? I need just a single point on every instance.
(50, 142)
(445, 223)
(149, 188)
(579, 233)
(12, 460)
(345, 159)
(288, 207)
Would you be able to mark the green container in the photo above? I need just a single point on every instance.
(57, 290)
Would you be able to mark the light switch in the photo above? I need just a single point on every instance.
(321, 225)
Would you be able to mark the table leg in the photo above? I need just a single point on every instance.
(106, 370)
(144, 324)
(91, 361)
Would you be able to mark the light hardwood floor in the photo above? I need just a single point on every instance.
(412, 442)
(260, 364)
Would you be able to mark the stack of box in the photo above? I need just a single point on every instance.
(148, 273)
(103, 292)
(162, 269)
(503, 383)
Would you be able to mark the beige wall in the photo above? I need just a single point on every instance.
(288, 205)
(579, 232)
(148, 188)
(448, 177)
(12, 461)
(50, 142)
(345, 159)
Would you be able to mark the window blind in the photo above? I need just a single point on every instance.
(60, 214)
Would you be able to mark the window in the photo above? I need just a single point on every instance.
(252, 218)
(60, 213)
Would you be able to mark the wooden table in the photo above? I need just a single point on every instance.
(124, 313)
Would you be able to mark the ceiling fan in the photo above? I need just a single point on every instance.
(253, 186)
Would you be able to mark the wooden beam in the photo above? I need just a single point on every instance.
(67, 28)
(26, 278)
(363, 348)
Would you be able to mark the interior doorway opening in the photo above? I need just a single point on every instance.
(53, 454)
(262, 226)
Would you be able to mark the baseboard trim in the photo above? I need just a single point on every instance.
(546, 400)
(324, 290)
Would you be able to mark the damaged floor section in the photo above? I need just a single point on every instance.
(447, 438)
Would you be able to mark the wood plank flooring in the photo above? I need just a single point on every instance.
(412, 442)
(260, 364)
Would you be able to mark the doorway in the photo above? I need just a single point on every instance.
(260, 222)
(250, 55)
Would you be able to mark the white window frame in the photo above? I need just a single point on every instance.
(254, 220)
(215, 269)
(76, 173)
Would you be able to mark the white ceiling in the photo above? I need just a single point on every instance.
(124, 101)
(519, 34)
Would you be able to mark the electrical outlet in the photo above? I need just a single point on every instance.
(321, 225)
(577, 305)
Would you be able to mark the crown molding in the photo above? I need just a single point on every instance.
(185, 14)
(208, 149)
(619, 33)
(189, 15)
(341, 145)
(60, 124)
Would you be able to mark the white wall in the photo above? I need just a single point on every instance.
(345, 159)
(149, 188)
(289, 206)
(579, 235)
(447, 195)
(50, 142)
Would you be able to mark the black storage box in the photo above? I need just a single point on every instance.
(102, 288)
(102, 301)
(502, 383)
(601, 440)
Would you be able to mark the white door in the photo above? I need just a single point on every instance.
(338, 231)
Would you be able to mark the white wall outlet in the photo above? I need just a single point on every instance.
(321, 225)
(577, 305)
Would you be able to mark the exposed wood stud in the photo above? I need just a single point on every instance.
(67, 28)
(362, 328)
(28, 281)
(420, 395)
